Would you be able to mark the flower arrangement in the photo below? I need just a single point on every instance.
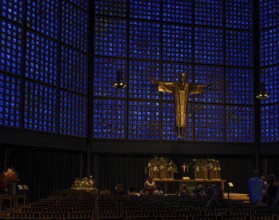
(161, 167)
(10, 175)
(206, 168)
(85, 183)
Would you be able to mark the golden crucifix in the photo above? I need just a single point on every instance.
(181, 90)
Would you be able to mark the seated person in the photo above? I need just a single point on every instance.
(131, 191)
(119, 189)
(144, 191)
(183, 190)
(150, 185)
(158, 191)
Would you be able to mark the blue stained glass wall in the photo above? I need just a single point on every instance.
(43, 16)
(144, 120)
(12, 10)
(11, 47)
(161, 40)
(209, 122)
(45, 46)
(43, 76)
(239, 124)
(10, 101)
(269, 69)
(109, 118)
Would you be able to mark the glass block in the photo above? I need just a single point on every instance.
(140, 86)
(12, 10)
(144, 120)
(74, 27)
(116, 8)
(73, 72)
(172, 72)
(240, 124)
(209, 122)
(11, 48)
(10, 101)
(239, 48)
(178, 11)
(209, 46)
(43, 17)
(110, 37)
(40, 107)
(41, 59)
(270, 77)
(169, 130)
(239, 86)
(269, 47)
(109, 118)
(73, 114)
(84, 4)
(142, 9)
(145, 40)
(177, 43)
(105, 74)
(269, 11)
(209, 13)
(239, 14)
(269, 123)
(214, 77)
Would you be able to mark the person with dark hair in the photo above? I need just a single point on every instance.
(158, 191)
(255, 186)
(183, 190)
(131, 191)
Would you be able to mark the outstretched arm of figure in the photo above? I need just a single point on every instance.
(163, 86)
(197, 88)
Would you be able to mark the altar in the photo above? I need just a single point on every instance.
(172, 185)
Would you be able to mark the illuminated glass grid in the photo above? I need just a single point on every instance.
(213, 76)
(10, 101)
(144, 120)
(177, 43)
(209, 13)
(73, 71)
(143, 9)
(172, 73)
(74, 27)
(110, 37)
(43, 16)
(270, 123)
(12, 10)
(11, 48)
(269, 47)
(144, 40)
(239, 86)
(239, 48)
(178, 11)
(139, 79)
(270, 77)
(41, 58)
(73, 114)
(209, 45)
(209, 122)
(111, 8)
(269, 11)
(105, 74)
(239, 14)
(40, 107)
(169, 130)
(240, 125)
(84, 4)
(109, 118)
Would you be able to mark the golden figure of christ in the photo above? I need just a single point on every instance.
(181, 91)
